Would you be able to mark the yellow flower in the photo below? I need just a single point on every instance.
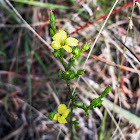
(62, 114)
(60, 40)
(62, 108)
(55, 118)
(62, 120)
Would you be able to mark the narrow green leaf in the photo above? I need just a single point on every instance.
(46, 71)
(41, 4)
(2, 53)
(103, 126)
(60, 74)
(29, 74)
(6, 102)
(106, 91)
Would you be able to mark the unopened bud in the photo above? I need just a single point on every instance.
(51, 115)
(75, 51)
(84, 105)
(80, 72)
(52, 18)
(57, 53)
(86, 46)
(52, 32)
(53, 27)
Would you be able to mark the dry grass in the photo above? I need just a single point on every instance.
(30, 87)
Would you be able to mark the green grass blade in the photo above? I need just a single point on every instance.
(46, 71)
(29, 76)
(3, 53)
(108, 135)
(11, 13)
(103, 126)
(6, 102)
(132, 118)
(41, 4)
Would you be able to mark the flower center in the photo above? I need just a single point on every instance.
(62, 42)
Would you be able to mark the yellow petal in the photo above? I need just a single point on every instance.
(60, 36)
(65, 114)
(71, 41)
(67, 48)
(56, 45)
(55, 118)
(62, 108)
(62, 120)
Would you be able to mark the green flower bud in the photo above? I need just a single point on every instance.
(75, 51)
(57, 53)
(80, 72)
(84, 106)
(69, 75)
(52, 18)
(53, 27)
(51, 115)
(66, 75)
(52, 32)
(86, 46)
(71, 61)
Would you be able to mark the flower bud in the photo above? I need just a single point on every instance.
(53, 27)
(52, 18)
(75, 51)
(80, 72)
(57, 53)
(86, 46)
(52, 32)
(84, 106)
(51, 115)
(69, 75)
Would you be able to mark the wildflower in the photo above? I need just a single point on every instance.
(60, 40)
(62, 114)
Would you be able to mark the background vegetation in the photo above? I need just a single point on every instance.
(29, 84)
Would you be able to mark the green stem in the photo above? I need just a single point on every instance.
(71, 123)
(78, 106)
(63, 63)
(62, 60)
(72, 107)
(69, 66)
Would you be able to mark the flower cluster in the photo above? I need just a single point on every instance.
(62, 114)
(60, 40)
